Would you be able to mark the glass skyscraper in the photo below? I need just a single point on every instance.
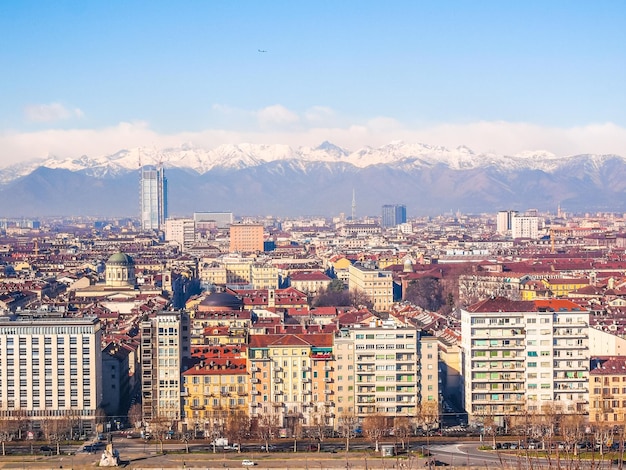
(153, 186)
(393, 214)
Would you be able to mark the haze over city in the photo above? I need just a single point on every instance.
(96, 77)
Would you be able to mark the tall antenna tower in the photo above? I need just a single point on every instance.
(353, 205)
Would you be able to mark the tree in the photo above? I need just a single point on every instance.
(347, 425)
(319, 426)
(330, 298)
(573, 431)
(267, 429)
(359, 299)
(160, 426)
(428, 417)
(425, 292)
(402, 429)
(135, 415)
(237, 427)
(374, 427)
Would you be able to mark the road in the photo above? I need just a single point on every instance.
(137, 454)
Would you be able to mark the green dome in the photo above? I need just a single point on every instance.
(120, 258)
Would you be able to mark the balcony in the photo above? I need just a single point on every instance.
(329, 403)
(328, 380)
(254, 369)
(197, 407)
(328, 367)
(278, 380)
(306, 392)
(255, 381)
(278, 405)
(328, 392)
(256, 392)
(278, 369)
(306, 380)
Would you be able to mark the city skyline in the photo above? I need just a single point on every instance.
(504, 78)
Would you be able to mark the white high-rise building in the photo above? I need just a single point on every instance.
(181, 231)
(518, 356)
(153, 198)
(525, 226)
(51, 369)
(164, 343)
(504, 222)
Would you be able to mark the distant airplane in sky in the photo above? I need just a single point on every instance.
(261, 50)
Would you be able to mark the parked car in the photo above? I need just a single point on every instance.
(248, 463)
(46, 450)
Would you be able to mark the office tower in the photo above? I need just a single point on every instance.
(51, 371)
(246, 238)
(153, 189)
(393, 215)
(520, 356)
(353, 205)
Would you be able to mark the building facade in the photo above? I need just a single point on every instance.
(395, 370)
(376, 284)
(181, 231)
(246, 238)
(50, 370)
(519, 356)
(164, 343)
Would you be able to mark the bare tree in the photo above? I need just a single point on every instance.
(135, 415)
(20, 422)
(160, 425)
(402, 429)
(347, 425)
(374, 427)
(5, 431)
(267, 429)
(572, 431)
(237, 427)
(319, 426)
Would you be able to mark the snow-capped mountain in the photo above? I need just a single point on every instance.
(278, 179)
(250, 155)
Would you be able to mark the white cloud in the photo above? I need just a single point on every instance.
(276, 116)
(50, 112)
(278, 125)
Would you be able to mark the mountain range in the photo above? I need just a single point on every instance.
(249, 179)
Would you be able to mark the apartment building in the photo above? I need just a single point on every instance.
(164, 343)
(376, 284)
(395, 369)
(293, 379)
(50, 369)
(607, 391)
(214, 389)
(520, 355)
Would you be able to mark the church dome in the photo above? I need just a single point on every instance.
(222, 300)
(120, 258)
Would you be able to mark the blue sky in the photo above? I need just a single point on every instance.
(93, 77)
